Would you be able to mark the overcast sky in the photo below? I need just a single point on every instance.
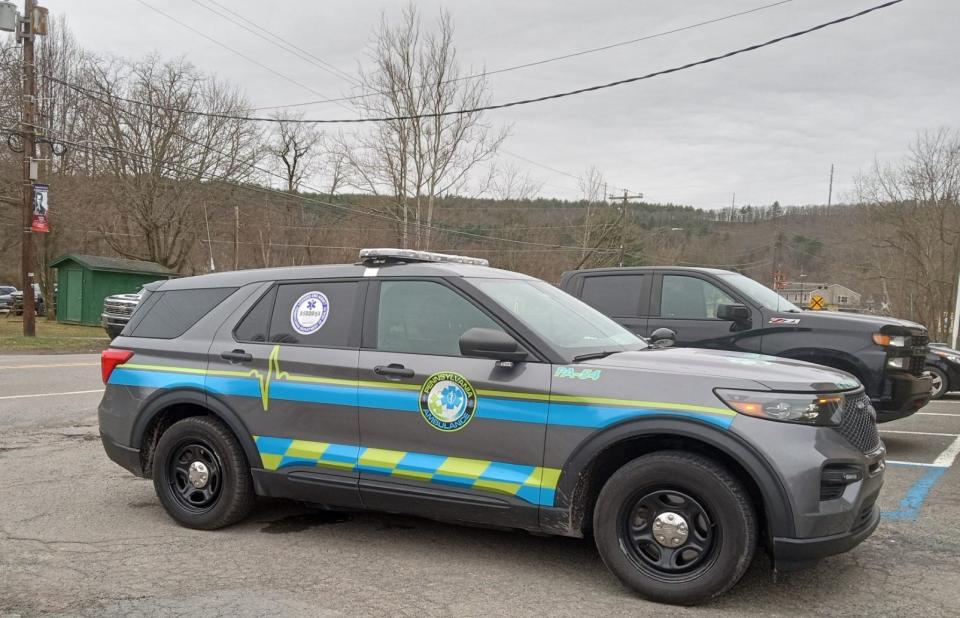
(765, 125)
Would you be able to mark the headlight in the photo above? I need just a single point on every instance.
(893, 341)
(812, 409)
(953, 358)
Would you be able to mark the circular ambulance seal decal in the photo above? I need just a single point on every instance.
(310, 312)
(447, 401)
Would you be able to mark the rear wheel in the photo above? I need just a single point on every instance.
(675, 527)
(201, 474)
(940, 383)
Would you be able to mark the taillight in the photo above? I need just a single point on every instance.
(110, 358)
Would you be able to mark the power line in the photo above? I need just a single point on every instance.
(231, 50)
(282, 44)
(542, 61)
(542, 99)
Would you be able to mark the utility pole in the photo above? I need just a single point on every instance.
(28, 130)
(830, 190)
(621, 223)
(733, 207)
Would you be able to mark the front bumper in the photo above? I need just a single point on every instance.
(904, 394)
(793, 554)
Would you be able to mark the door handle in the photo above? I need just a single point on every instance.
(237, 356)
(393, 370)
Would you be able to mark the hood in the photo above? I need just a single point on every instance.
(850, 321)
(774, 373)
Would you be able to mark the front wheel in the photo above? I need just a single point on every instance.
(201, 474)
(940, 383)
(675, 527)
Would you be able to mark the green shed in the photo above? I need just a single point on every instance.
(83, 281)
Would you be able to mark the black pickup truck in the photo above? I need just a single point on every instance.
(719, 309)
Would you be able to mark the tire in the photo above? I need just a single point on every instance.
(227, 495)
(719, 517)
(941, 383)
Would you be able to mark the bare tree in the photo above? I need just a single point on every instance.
(159, 155)
(420, 154)
(911, 210)
(511, 183)
(295, 145)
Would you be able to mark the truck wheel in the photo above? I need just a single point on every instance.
(940, 383)
(675, 527)
(201, 474)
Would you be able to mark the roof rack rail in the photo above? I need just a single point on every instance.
(391, 255)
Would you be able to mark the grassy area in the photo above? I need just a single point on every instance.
(52, 337)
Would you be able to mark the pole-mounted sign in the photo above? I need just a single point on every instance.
(41, 208)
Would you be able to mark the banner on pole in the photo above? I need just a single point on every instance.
(41, 209)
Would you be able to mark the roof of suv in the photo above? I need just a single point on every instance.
(612, 269)
(237, 278)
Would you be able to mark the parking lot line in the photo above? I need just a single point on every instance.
(937, 414)
(920, 433)
(949, 455)
(910, 505)
(99, 390)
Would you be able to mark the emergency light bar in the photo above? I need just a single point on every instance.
(409, 255)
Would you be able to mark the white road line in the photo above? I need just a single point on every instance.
(99, 390)
(947, 457)
(49, 366)
(919, 433)
(937, 414)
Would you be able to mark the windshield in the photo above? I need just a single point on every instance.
(569, 325)
(760, 293)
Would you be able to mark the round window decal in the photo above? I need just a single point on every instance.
(310, 312)
(447, 401)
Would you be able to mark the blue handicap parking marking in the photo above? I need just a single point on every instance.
(912, 502)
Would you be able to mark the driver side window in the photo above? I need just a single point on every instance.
(691, 298)
(424, 317)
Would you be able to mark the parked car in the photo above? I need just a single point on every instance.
(436, 386)
(39, 307)
(6, 298)
(943, 363)
(722, 310)
(117, 310)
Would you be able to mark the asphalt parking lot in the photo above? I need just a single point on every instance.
(80, 536)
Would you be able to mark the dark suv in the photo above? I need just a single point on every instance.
(437, 386)
(723, 310)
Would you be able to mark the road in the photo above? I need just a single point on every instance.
(80, 536)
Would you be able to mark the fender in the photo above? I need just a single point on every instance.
(776, 501)
(163, 399)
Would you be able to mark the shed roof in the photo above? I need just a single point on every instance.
(97, 262)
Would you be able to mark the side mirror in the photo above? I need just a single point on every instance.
(734, 313)
(491, 343)
(663, 338)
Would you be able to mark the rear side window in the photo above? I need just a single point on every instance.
(319, 314)
(614, 295)
(172, 313)
(255, 327)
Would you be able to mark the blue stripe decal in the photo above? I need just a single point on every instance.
(574, 415)
(273, 446)
(156, 379)
(491, 408)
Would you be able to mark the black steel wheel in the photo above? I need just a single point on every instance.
(668, 534)
(194, 475)
(675, 527)
(201, 474)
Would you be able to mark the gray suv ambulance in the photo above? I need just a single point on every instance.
(434, 385)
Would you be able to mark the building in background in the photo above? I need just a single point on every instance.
(837, 297)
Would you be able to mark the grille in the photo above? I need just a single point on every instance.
(118, 308)
(859, 424)
(919, 346)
